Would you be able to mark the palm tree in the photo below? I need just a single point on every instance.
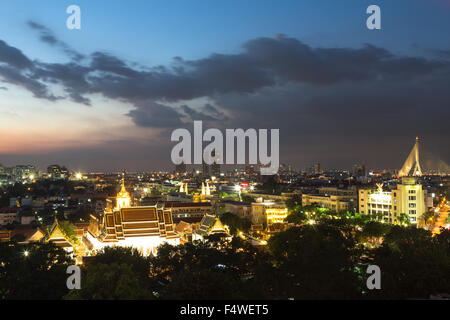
(428, 219)
(403, 220)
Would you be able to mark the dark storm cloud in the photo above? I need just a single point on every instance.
(47, 36)
(110, 64)
(71, 76)
(443, 54)
(264, 62)
(207, 113)
(311, 94)
(14, 76)
(151, 114)
(13, 56)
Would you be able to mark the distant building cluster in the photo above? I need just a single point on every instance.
(147, 209)
(29, 173)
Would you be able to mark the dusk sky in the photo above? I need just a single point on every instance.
(108, 96)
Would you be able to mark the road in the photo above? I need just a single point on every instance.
(443, 214)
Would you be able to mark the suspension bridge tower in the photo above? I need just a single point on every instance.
(411, 167)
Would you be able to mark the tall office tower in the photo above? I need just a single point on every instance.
(206, 170)
(317, 168)
(215, 167)
(359, 170)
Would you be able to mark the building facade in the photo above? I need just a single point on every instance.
(408, 198)
(332, 198)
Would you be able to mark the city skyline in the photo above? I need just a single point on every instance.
(107, 97)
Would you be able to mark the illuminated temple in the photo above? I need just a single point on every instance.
(144, 228)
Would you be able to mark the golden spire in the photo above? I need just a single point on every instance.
(123, 197)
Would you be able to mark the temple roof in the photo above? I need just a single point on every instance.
(57, 236)
(210, 224)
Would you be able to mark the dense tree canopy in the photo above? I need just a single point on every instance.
(235, 223)
(34, 271)
(324, 256)
(115, 281)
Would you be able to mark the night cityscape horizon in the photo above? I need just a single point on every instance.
(220, 159)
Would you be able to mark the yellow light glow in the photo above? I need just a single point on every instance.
(381, 197)
(276, 215)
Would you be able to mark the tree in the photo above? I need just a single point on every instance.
(70, 231)
(443, 239)
(208, 270)
(247, 198)
(403, 220)
(294, 202)
(413, 264)
(428, 219)
(235, 223)
(297, 217)
(315, 262)
(124, 255)
(270, 185)
(33, 271)
(110, 282)
(373, 233)
(155, 192)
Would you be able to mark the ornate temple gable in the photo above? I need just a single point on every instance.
(218, 227)
(211, 224)
(37, 235)
(57, 236)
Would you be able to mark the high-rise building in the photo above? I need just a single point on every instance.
(24, 172)
(408, 198)
(57, 172)
(206, 170)
(215, 166)
(359, 170)
(317, 168)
